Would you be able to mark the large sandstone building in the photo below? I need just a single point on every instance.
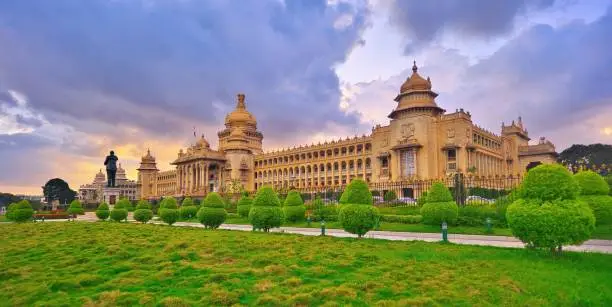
(422, 141)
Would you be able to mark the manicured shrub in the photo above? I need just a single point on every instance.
(169, 216)
(212, 212)
(103, 212)
(476, 215)
(187, 202)
(168, 203)
(266, 212)
(143, 204)
(356, 193)
(402, 219)
(439, 206)
(594, 191)
(76, 207)
(294, 208)
(591, 183)
(21, 212)
(422, 200)
(143, 215)
(244, 206)
(124, 203)
(118, 215)
(357, 215)
(188, 212)
(324, 212)
(547, 213)
(390, 196)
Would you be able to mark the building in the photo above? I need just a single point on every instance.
(422, 141)
(94, 192)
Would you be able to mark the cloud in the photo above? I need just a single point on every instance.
(557, 79)
(425, 21)
(160, 65)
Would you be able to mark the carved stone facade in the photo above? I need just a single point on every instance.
(96, 191)
(421, 141)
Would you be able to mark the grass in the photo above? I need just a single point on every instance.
(119, 264)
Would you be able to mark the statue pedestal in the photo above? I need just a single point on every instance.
(111, 196)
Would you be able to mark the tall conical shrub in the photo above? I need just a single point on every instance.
(266, 210)
(103, 212)
(212, 212)
(294, 208)
(76, 207)
(439, 206)
(357, 215)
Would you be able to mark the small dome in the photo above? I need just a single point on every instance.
(120, 176)
(202, 142)
(415, 82)
(240, 115)
(148, 157)
(100, 177)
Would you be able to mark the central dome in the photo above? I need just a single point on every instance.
(202, 142)
(240, 116)
(415, 82)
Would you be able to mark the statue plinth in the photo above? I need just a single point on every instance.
(110, 195)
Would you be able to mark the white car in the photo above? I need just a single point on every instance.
(479, 199)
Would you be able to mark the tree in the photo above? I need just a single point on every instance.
(212, 212)
(547, 213)
(76, 207)
(357, 215)
(594, 191)
(589, 157)
(439, 206)
(266, 212)
(294, 208)
(58, 189)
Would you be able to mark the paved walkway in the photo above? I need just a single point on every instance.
(601, 246)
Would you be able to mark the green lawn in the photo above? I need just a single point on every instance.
(112, 264)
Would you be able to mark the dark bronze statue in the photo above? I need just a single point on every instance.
(111, 168)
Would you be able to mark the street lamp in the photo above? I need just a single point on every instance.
(322, 227)
(444, 232)
(309, 220)
(488, 221)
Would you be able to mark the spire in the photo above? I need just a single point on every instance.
(240, 104)
(414, 67)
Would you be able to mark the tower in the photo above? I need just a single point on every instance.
(240, 141)
(147, 176)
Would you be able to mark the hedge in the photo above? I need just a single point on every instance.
(294, 208)
(439, 206)
(402, 219)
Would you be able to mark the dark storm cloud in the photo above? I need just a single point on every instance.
(423, 21)
(158, 64)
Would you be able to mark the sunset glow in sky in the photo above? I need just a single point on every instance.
(78, 78)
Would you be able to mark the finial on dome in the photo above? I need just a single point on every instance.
(414, 67)
(240, 104)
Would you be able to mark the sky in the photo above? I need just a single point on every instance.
(78, 78)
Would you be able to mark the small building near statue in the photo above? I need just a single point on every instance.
(97, 192)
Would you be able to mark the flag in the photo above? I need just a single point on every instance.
(194, 131)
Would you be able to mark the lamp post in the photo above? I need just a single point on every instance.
(309, 220)
(323, 227)
(488, 221)
(444, 232)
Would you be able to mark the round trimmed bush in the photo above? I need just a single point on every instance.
(322, 212)
(76, 207)
(169, 203)
(22, 211)
(547, 213)
(294, 208)
(390, 196)
(143, 215)
(439, 206)
(550, 224)
(188, 212)
(212, 213)
(358, 219)
(124, 203)
(143, 204)
(357, 215)
(356, 193)
(594, 191)
(169, 216)
(266, 212)
(103, 212)
(591, 183)
(118, 215)
(187, 202)
(549, 182)
(244, 206)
